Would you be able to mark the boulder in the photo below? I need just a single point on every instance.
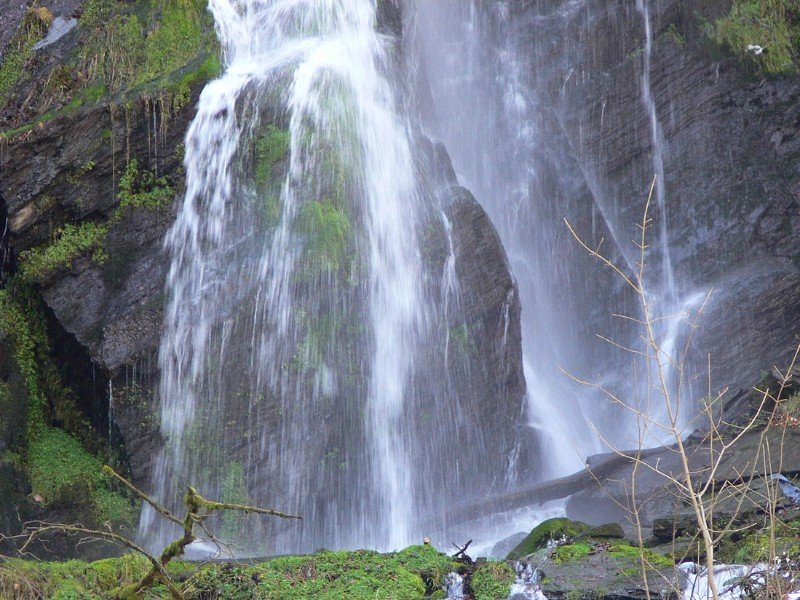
(549, 530)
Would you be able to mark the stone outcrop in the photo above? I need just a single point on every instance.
(730, 142)
(108, 295)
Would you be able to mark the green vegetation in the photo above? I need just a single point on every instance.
(137, 189)
(70, 242)
(60, 469)
(771, 24)
(271, 153)
(271, 149)
(570, 552)
(462, 341)
(658, 561)
(157, 50)
(75, 177)
(758, 546)
(675, 35)
(87, 95)
(492, 581)
(74, 579)
(16, 328)
(326, 228)
(234, 491)
(126, 49)
(327, 576)
(551, 529)
(19, 51)
(361, 575)
(141, 189)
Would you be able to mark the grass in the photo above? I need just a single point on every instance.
(126, 49)
(141, 46)
(19, 51)
(772, 24)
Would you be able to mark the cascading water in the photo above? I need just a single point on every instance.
(308, 348)
(504, 82)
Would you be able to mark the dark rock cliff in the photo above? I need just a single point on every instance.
(731, 141)
(89, 190)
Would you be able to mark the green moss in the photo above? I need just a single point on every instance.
(61, 470)
(70, 580)
(326, 229)
(492, 581)
(658, 561)
(791, 406)
(551, 529)
(57, 461)
(234, 491)
(270, 160)
(462, 341)
(675, 35)
(757, 547)
(571, 552)
(358, 575)
(20, 49)
(427, 562)
(17, 329)
(271, 149)
(355, 575)
(58, 466)
(71, 241)
(772, 24)
(77, 174)
(137, 189)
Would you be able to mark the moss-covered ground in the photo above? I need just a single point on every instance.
(62, 465)
(416, 572)
(774, 25)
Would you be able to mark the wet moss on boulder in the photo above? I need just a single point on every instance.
(549, 530)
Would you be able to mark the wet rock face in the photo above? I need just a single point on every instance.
(731, 139)
(67, 171)
(491, 310)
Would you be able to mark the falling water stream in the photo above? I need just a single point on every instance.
(315, 336)
(316, 357)
(333, 64)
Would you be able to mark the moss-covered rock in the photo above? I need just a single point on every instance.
(606, 531)
(552, 529)
(63, 473)
(492, 581)
(773, 25)
(412, 573)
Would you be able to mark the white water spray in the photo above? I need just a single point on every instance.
(332, 65)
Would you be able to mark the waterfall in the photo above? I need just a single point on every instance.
(507, 92)
(308, 359)
(668, 288)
